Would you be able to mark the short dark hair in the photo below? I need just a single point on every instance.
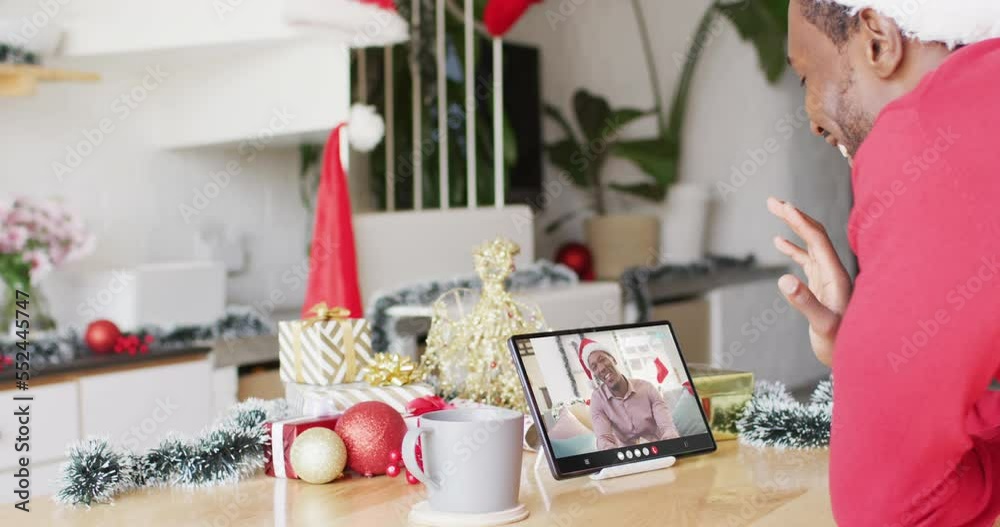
(833, 19)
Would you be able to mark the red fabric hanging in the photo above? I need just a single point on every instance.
(500, 15)
(333, 264)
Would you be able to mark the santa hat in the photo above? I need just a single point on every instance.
(333, 266)
(953, 22)
(365, 23)
(587, 348)
(500, 15)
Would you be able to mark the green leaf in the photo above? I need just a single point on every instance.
(593, 113)
(653, 156)
(619, 119)
(553, 113)
(510, 152)
(764, 23)
(567, 156)
(648, 191)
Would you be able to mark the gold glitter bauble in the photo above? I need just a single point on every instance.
(318, 455)
(466, 352)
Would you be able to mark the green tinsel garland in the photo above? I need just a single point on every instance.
(232, 449)
(773, 418)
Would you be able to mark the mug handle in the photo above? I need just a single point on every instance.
(410, 456)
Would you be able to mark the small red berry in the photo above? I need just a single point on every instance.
(148, 339)
(392, 471)
(411, 479)
(394, 457)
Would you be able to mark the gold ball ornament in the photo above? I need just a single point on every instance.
(318, 455)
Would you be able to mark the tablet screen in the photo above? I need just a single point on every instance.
(609, 396)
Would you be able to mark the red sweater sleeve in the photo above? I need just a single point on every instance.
(916, 431)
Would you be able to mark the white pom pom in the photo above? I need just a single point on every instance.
(365, 128)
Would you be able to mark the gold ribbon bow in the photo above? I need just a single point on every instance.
(391, 369)
(323, 313)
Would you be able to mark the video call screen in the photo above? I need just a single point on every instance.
(624, 391)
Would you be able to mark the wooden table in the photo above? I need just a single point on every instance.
(737, 485)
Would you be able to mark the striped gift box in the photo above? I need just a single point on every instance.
(325, 352)
(307, 399)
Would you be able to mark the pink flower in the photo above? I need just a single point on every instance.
(427, 403)
(13, 239)
(43, 232)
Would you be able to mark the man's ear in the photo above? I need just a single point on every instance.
(883, 42)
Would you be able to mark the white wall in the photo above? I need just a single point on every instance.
(732, 112)
(130, 193)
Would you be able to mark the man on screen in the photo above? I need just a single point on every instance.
(623, 411)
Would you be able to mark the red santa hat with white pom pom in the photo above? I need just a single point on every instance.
(953, 22)
(333, 267)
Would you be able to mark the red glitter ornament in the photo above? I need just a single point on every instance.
(101, 336)
(577, 257)
(370, 430)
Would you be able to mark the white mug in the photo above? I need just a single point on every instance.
(471, 456)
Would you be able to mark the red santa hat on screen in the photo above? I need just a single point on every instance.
(587, 348)
(365, 23)
(333, 266)
(953, 22)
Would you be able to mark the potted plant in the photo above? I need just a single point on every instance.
(35, 237)
(619, 241)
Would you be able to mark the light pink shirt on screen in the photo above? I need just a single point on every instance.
(641, 416)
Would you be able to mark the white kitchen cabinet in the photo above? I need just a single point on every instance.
(44, 482)
(229, 73)
(137, 408)
(54, 423)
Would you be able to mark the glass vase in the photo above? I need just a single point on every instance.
(40, 320)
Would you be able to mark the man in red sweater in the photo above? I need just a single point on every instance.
(909, 91)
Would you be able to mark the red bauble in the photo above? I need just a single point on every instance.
(392, 471)
(370, 430)
(411, 479)
(577, 257)
(101, 336)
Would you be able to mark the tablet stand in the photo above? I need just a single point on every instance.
(634, 468)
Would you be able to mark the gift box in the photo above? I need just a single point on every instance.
(724, 394)
(277, 460)
(307, 399)
(328, 348)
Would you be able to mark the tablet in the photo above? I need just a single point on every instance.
(610, 396)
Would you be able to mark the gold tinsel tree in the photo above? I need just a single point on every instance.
(467, 353)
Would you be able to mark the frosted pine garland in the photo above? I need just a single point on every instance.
(232, 449)
(773, 418)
